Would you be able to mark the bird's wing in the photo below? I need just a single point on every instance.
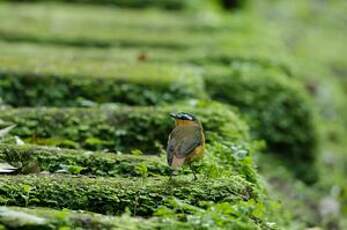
(182, 141)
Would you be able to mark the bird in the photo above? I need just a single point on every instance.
(142, 57)
(186, 141)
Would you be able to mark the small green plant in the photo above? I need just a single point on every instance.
(141, 169)
(26, 195)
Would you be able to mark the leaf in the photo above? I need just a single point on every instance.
(62, 171)
(21, 218)
(6, 130)
(6, 168)
(136, 152)
(164, 212)
(26, 188)
(75, 169)
(141, 169)
(19, 141)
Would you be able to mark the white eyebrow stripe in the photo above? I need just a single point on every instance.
(188, 117)
(185, 116)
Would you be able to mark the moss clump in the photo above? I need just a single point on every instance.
(220, 159)
(75, 85)
(216, 217)
(277, 108)
(175, 32)
(137, 4)
(45, 218)
(167, 30)
(82, 162)
(113, 196)
(119, 128)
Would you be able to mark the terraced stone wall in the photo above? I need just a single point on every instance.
(87, 91)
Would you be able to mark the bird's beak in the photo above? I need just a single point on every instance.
(173, 115)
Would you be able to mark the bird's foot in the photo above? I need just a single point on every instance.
(173, 173)
(195, 177)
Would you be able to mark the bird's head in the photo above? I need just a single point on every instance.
(183, 118)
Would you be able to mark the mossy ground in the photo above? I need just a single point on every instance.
(129, 182)
(110, 75)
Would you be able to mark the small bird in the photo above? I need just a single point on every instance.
(186, 141)
(142, 57)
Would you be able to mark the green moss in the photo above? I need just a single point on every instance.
(220, 159)
(88, 83)
(278, 109)
(90, 163)
(119, 128)
(149, 28)
(14, 217)
(45, 218)
(224, 50)
(113, 196)
(167, 30)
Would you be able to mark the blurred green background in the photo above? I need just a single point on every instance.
(281, 64)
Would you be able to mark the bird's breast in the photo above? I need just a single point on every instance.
(196, 154)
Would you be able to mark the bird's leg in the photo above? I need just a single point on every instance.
(172, 174)
(193, 171)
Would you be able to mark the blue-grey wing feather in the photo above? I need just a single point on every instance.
(182, 141)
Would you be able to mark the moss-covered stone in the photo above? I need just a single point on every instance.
(167, 31)
(137, 4)
(220, 159)
(46, 218)
(87, 83)
(173, 31)
(113, 17)
(113, 196)
(277, 107)
(263, 88)
(62, 76)
(119, 128)
(81, 162)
